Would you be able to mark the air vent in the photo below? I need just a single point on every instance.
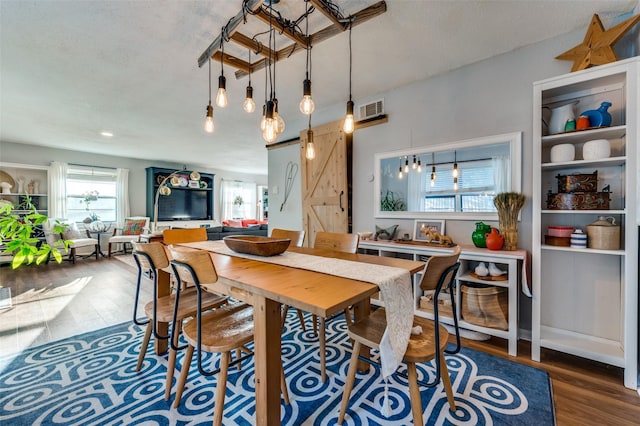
(372, 109)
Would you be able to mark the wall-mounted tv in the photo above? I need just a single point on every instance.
(183, 204)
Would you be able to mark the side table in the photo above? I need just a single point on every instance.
(97, 235)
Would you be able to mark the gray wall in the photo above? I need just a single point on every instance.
(37, 155)
(486, 98)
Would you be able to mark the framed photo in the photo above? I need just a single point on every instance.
(423, 228)
(194, 184)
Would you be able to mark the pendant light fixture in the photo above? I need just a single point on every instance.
(249, 105)
(406, 164)
(419, 165)
(349, 124)
(310, 151)
(454, 172)
(208, 121)
(269, 132)
(306, 104)
(400, 170)
(221, 96)
(433, 170)
(414, 164)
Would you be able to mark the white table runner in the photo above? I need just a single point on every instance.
(394, 284)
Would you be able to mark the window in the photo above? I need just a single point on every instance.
(476, 188)
(238, 200)
(91, 192)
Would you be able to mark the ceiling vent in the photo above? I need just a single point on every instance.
(372, 109)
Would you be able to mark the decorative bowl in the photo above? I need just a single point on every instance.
(560, 231)
(563, 152)
(596, 149)
(257, 245)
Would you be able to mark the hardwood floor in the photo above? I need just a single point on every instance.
(51, 302)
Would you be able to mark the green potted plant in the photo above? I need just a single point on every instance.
(17, 235)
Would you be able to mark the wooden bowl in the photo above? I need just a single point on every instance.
(257, 245)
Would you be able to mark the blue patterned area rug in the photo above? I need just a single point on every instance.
(91, 380)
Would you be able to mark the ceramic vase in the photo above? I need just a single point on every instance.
(494, 240)
(478, 236)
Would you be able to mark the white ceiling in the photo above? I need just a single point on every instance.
(71, 69)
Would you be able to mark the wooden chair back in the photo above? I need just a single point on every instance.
(436, 266)
(204, 271)
(347, 243)
(186, 235)
(296, 237)
(156, 253)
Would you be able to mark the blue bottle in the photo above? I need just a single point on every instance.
(599, 117)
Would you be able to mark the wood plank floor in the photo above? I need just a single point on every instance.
(56, 301)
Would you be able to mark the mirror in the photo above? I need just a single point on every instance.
(455, 180)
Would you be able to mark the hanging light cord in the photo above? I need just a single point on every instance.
(209, 80)
(350, 57)
(249, 67)
(307, 39)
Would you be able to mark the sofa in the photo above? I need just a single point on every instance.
(219, 232)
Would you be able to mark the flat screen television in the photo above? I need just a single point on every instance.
(184, 204)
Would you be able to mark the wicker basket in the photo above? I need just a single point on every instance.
(487, 306)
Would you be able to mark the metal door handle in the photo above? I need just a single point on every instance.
(341, 194)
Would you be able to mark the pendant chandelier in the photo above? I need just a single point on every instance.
(306, 104)
(208, 121)
(221, 96)
(349, 124)
(249, 105)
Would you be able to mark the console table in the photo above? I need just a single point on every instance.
(513, 262)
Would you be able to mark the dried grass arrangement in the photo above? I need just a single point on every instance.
(509, 205)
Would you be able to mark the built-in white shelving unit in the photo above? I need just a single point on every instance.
(585, 301)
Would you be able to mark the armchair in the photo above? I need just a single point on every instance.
(128, 233)
(79, 243)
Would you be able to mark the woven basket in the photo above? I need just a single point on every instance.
(487, 306)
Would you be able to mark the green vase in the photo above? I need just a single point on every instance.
(479, 235)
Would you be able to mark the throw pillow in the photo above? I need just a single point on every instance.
(72, 232)
(386, 233)
(133, 226)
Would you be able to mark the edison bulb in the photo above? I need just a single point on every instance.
(249, 105)
(349, 125)
(311, 151)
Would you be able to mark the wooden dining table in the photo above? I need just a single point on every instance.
(266, 286)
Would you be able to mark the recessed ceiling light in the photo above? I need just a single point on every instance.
(106, 134)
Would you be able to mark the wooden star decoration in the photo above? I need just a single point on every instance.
(596, 48)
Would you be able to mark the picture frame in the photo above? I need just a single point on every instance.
(194, 184)
(421, 228)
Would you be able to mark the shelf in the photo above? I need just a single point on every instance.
(583, 250)
(593, 212)
(615, 132)
(470, 278)
(598, 349)
(605, 162)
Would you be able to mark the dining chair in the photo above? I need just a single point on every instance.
(439, 273)
(226, 329)
(297, 239)
(184, 235)
(335, 241)
(129, 232)
(152, 257)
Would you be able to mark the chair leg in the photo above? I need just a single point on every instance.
(109, 251)
(72, 255)
(145, 344)
(323, 353)
(446, 381)
(351, 377)
(186, 363)
(97, 251)
(221, 388)
(283, 386)
(414, 394)
(171, 367)
(301, 319)
(285, 310)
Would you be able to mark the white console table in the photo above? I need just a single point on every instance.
(514, 262)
